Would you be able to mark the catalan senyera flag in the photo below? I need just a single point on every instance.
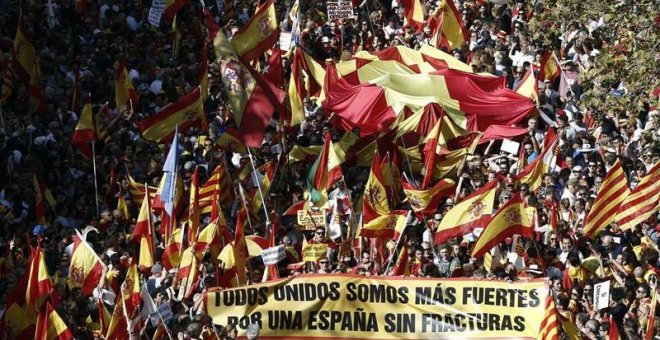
(317, 177)
(427, 201)
(219, 182)
(86, 268)
(413, 14)
(402, 266)
(259, 34)
(172, 252)
(613, 191)
(532, 173)
(188, 273)
(185, 113)
(528, 86)
(253, 100)
(549, 66)
(138, 191)
(204, 72)
(510, 219)
(472, 212)
(550, 324)
(642, 202)
(50, 325)
(125, 94)
(448, 28)
(84, 132)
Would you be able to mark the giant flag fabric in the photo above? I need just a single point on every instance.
(612, 193)
(185, 113)
(253, 100)
(472, 212)
(84, 132)
(259, 34)
(642, 202)
(86, 268)
(510, 219)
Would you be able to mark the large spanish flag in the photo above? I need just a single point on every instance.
(374, 201)
(39, 284)
(259, 34)
(549, 66)
(185, 113)
(86, 268)
(125, 94)
(612, 193)
(510, 219)
(385, 226)
(413, 14)
(253, 100)
(50, 325)
(642, 202)
(532, 173)
(448, 28)
(306, 79)
(472, 212)
(84, 132)
(427, 201)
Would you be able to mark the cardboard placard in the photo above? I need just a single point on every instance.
(314, 251)
(510, 146)
(156, 12)
(311, 219)
(340, 9)
(602, 295)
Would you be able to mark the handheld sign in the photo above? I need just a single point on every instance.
(310, 219)
(156, 12)
(273, 255)
(314, 251)
(340, 9)
(602, 295)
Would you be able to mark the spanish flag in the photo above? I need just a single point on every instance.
(172, 253)
(253, 100)
(40, 203)
(472, 212)
(187, 112)
(172, 7)
(194, 210)
(104, 316)
(39, 283)
(549, 66)
(230, 140)
(213, 238)
(125, 94)
(510, 219)
(317, 177)
(127, 307)
(219, 182)
(86, 268)
(24, 54)
(427, 201)
(84, 132)
(374, 202)
(612, 193)
(188, 273)
(50, 326)
(528, 86)
(234, 269)
(402, 265)
(144, 232)
(122, 206)
(17, 323)
(303, 82)
(642, 202)
(448, 28)
(413, 14)
(259, 34)
(532, 173)
(265, 182)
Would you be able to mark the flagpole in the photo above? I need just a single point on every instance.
(247, 212)
(254, 169)
(412, 174)
(398, 243)
(160, 316)
(96, 185)
(562, 73)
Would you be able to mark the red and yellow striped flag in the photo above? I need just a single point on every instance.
(402, 266)
(24, 54)
(448, 28)
(259, 34)
(144, 232)
(172, 252)
(613, 191)
(86, 268)
(549, 66)
(532, 173)
(642, 202)
(427, 201)
(219, 182)
(185, 113)
(50, 325)
(84, 132)
(125, 94)
(194, 210)
(137, 191)
(472, 212)
(188, 273)
(549, 324)
(510, 219)
(413, 14)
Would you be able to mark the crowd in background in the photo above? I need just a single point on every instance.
(83, 46)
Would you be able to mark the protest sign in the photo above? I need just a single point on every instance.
(510, 146)
(339, 9)
(156, 12)
(273, 255)
(356, 307)
(310, 219)
(314, 251)
(602, 295)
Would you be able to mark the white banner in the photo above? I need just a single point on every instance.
(273, 255)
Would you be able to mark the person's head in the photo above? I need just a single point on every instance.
(445, 252)
(365, 257)
(286, 241)
(566, 243)
(643, 291)
(531, 123)
(324, 264)
(253, 331)
(319, 234)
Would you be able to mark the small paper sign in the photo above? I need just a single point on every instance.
(273, 255)
(510, 146)
(314, 251)
(310, 219)
(339, 9)
(602, 295)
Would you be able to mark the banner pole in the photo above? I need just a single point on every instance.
(261, 194)
(96, 185)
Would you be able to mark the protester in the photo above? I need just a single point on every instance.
(53, 195)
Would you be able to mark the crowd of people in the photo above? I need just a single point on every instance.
(79, 47)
